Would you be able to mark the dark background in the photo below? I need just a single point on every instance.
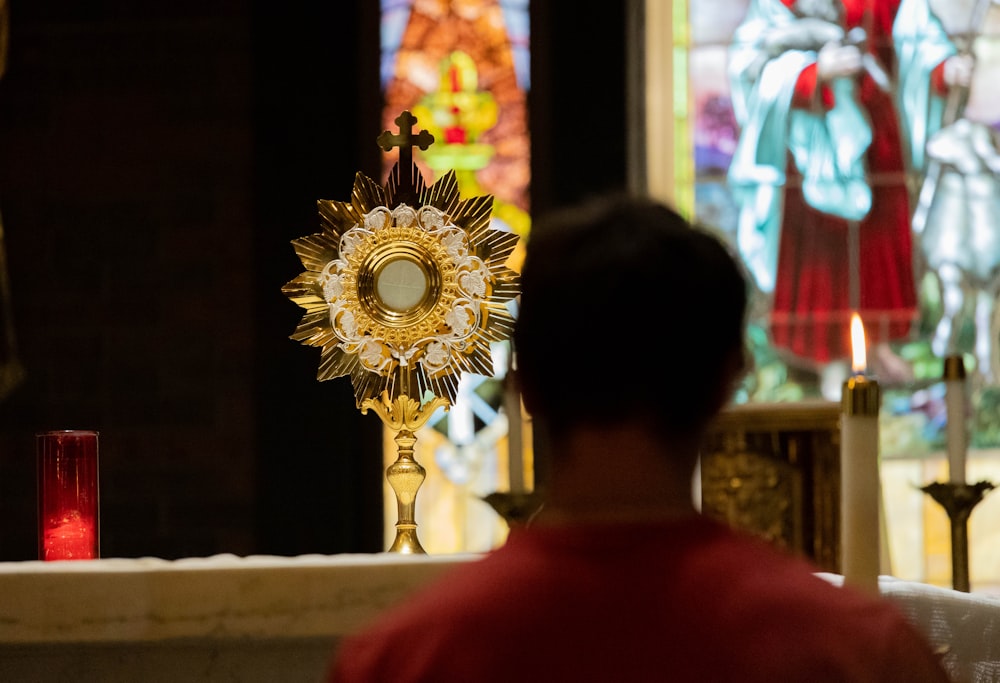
(156, 160)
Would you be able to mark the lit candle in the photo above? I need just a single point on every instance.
(73, 537)
(954, 399)
(68, 514)
(859, 471)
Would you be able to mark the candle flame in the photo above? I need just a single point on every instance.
(858, 353)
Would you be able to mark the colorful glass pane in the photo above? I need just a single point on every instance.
(462, 67)
(838, 146)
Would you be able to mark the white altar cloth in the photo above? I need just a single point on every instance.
(964, 628)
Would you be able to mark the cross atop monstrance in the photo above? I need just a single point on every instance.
(408, 183)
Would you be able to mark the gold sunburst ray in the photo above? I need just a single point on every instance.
(336, 218)
(398, 188)
(323, 337)
(500, 244)
(475, 216)
(445, 385)
(443, 194)
(366, 195)
(333, 365)
(503, 326)
(372, 386)
(306, 299)
(389, 343)
(301, 287)
(480, 365)
(500, 331)
(312, 325)
(315, 250)
(304, 291)
(504, 291)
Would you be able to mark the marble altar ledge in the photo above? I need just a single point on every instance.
(119, 600)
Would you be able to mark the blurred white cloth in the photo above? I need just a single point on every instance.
(963, 627)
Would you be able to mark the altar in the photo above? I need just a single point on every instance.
(219, 618)
(268, 618)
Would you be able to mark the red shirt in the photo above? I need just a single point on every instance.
(681, 601)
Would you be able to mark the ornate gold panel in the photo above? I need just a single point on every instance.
(774, 470)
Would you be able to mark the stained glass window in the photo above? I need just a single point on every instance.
(850, 150)
(462, 68)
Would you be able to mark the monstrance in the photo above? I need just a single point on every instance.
(405, 288)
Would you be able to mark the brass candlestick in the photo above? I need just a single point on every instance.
(516, 508)
(958, 500)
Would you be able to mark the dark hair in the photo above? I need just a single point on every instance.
(627, 310)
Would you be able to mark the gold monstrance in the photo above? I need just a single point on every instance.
(405, 289)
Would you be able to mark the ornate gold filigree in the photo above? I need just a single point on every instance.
(405, 413)
(405, 299)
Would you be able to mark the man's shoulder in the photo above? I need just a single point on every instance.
(551, 594)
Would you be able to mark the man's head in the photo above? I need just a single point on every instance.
(628, 311)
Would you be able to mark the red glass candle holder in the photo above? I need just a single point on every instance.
(68, 501)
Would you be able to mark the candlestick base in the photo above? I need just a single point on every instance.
(517, 509)
(958, 500)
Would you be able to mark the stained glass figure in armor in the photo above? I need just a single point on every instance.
(957, 220)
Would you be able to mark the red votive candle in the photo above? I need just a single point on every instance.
(68, 505)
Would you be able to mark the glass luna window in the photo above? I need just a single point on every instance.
(462, 69)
